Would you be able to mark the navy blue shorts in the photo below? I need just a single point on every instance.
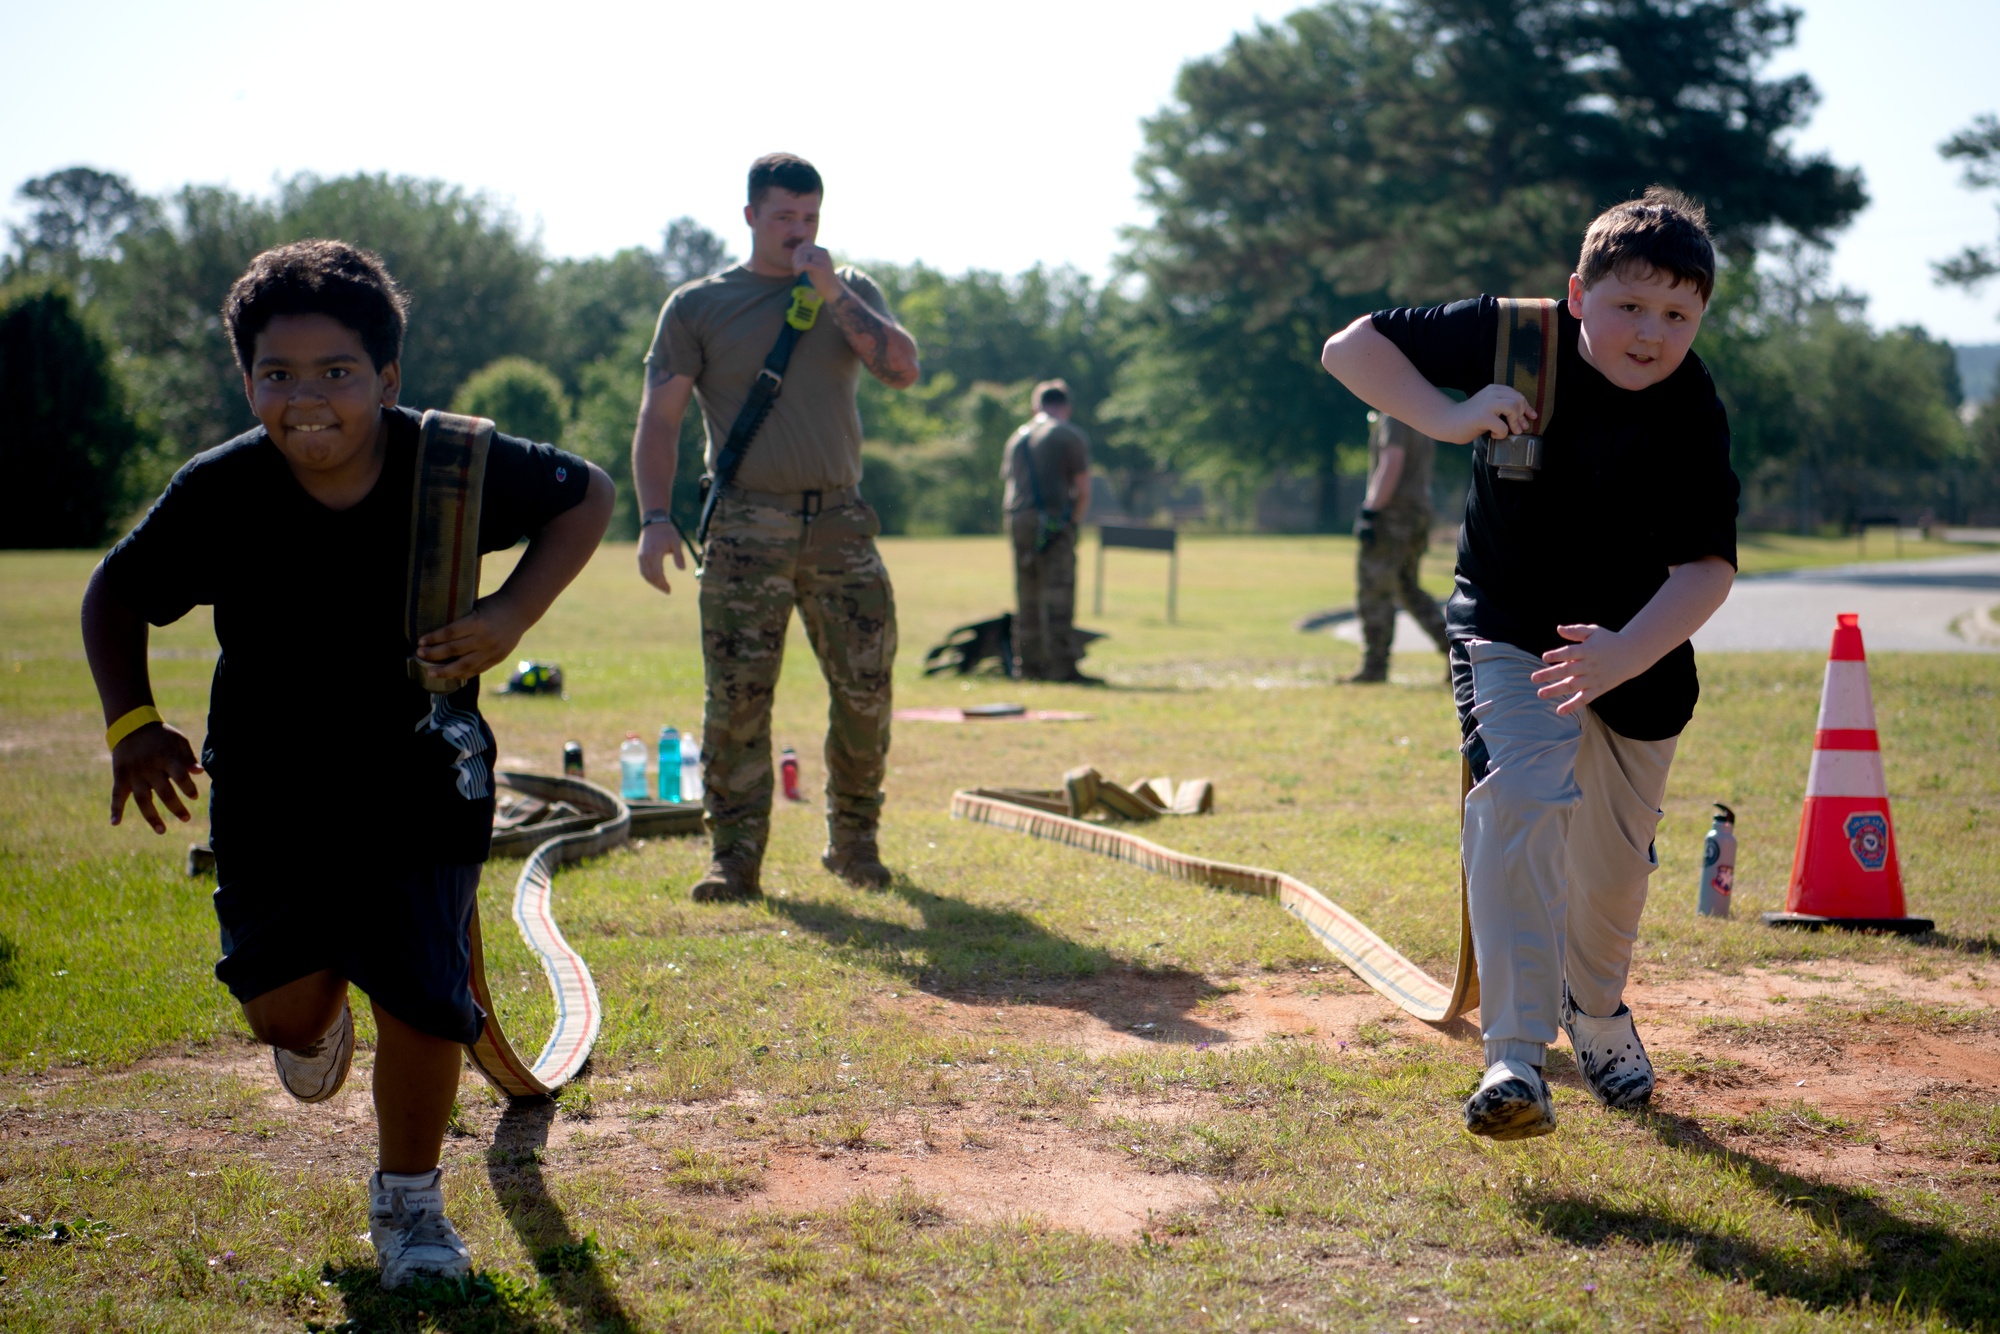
(400, 933)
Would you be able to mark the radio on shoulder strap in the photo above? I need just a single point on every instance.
(1524, 359)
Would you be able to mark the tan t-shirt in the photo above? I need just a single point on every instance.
(1060, 454)
(1413, 488)
(718, 330)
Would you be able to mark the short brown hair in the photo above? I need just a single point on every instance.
(1051, 394)
(786, 171)
(331, 278)
(1662, 231)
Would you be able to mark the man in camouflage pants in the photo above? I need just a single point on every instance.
(1394, 528)
(790, 531)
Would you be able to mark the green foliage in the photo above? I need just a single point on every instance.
(79, 215)
(1977, 147)
(67, 439)
(607, 408)
(1356, 156)
(520, 396)
(1808, 382)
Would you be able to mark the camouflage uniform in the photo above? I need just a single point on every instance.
(1386, 566)
(1045, 593)
(761, 562)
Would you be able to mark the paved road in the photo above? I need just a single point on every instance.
(1920, 606)
(1908, 606)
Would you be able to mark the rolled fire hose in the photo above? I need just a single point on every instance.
(1057, 816)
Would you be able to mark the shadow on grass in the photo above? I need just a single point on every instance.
(1957, 944)
(499, 1303)
(1880, 1255)
(963, 949)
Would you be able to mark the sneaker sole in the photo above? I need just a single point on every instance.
(336, 1078)
(1510, 1121)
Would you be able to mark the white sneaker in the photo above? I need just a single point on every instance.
(316, 1073)
(1610, 1055)
(413, 1238)
(1512, 1102)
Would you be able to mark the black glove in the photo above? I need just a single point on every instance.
(1364, 526)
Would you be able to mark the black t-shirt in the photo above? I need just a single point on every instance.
(314, 749)
(1632, 481)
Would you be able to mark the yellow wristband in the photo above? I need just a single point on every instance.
(131, 723)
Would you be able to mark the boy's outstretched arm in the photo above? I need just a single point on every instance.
(1602, 659)
(554, 557)
(156, 759)
(1376, 372)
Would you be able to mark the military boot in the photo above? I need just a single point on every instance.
(732, 876)
(856, 861)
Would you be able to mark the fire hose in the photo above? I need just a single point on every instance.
(1059, 816)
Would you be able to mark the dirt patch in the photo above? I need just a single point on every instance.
(1828, 1070)
(1124, 1013)
(1045, 1174)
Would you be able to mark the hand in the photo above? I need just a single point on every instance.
(1364, 526)
(469, 646)
(1494, 410)
(655, 541)
(154, 759)
(1597, 662)
(817, 262)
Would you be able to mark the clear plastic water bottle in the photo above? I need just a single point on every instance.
(788, 768)
(691, 764)
(632, 768)
(670, 763)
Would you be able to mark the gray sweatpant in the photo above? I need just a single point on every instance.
(1558, 847)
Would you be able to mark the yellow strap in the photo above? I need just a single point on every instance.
(131, 723)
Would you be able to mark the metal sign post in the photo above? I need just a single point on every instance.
(1143, 539)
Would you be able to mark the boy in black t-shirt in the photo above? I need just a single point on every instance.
(298, 534)
(1577, 590)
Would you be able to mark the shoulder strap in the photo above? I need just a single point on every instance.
(799, 317)
(444, 530)
(1524, 355)
(1524, 358)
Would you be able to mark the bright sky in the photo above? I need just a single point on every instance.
(965, 135)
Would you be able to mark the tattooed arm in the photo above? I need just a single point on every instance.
(883, 345)
(655, 450)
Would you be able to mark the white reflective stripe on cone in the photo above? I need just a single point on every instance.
(1845, 702)
(1846, 773)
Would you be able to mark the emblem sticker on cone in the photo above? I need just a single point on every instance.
(1868, 839)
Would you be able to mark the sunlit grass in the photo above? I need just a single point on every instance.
(1346, 1195)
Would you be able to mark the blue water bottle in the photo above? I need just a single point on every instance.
(670, 764)
(632, 768)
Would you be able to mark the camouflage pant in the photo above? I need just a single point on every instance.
(1045, 598)
(761, 563)
(1386, 574)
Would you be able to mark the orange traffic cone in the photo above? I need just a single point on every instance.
(1844, 873)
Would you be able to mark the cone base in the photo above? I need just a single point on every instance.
(1902, 926)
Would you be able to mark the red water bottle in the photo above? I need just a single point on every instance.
(788, 766)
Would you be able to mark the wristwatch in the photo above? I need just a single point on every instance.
(651, 517)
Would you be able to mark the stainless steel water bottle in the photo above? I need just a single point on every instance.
(1718, 864)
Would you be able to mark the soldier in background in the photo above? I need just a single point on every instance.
(791, 531)
(1394, 528)
(1046, 467)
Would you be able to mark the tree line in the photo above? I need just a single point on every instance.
(1349, 157)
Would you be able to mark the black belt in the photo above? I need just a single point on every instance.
(803, 503)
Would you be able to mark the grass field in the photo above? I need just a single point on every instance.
(1026, 1088)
